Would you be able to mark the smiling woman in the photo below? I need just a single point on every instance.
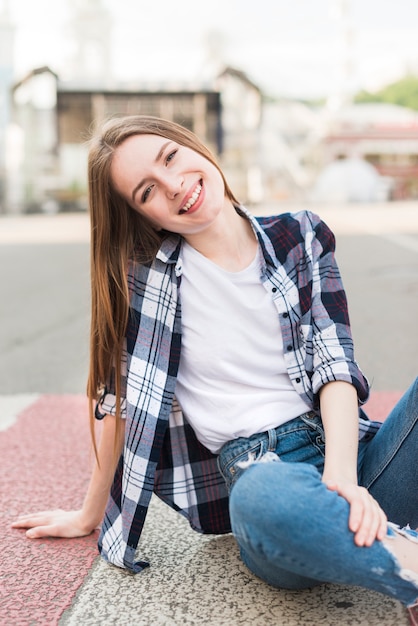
(173, 178)
(222, 366)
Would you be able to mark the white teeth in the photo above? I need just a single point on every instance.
(192, 200)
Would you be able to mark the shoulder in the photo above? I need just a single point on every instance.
(150, 283)
(165, 259)
(293, 229)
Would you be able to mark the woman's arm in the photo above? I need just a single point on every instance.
(59, 523)
(339, 412)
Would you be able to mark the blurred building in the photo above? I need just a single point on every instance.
(7, 33)
(348, 180)
(89, 30)
(34, 146)
(384, 136)
(290, 134)
(56, 118)
(241, 122)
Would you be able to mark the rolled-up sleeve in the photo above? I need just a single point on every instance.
(106, 404)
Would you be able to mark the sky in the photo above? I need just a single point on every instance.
(290, 48)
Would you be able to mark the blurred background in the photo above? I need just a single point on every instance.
(306, 103)
(302, 100)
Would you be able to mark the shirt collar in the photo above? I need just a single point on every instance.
(170, 249)
(265, 243)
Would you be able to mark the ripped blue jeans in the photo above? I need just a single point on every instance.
(293, 532)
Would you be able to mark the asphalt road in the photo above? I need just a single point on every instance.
(45, 299)
(381, 282)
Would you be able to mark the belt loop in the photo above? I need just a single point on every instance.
(272, 443)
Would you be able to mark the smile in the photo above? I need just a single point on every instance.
(192, 200)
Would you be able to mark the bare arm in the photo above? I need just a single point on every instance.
(340, 418)
(59, 523)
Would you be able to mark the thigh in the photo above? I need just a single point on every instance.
(277, 511)
(388, 463)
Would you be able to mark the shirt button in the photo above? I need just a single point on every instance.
(289, 348)
(297, 380)
(285, 314)
(274, 289)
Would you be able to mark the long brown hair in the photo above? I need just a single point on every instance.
(119, 234)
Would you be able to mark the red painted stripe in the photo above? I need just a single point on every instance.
(381, 403)
(45, 461)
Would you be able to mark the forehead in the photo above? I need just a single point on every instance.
(132, 157)
(146, 146)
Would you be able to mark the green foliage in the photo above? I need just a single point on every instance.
(403, 92)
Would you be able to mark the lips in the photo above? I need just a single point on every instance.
(192, 199)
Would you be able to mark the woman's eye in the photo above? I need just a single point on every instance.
(146, 193)
(171, 156)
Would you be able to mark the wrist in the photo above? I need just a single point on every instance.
(88, 521)
(339, 477)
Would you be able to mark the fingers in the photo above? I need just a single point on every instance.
(42, 531)
(57, 523)
(35, 519)
(38, 526)
(367, 520)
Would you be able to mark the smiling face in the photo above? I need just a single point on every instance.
(174, 187)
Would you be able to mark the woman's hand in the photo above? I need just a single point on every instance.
(81, 522)
(367, 520)
(56, 523)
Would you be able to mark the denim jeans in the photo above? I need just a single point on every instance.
(293, 532)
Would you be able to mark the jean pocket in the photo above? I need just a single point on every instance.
(235, 466)
(316, 432)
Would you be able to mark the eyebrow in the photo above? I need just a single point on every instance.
(157, 158)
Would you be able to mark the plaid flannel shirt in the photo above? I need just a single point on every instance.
(300, 271)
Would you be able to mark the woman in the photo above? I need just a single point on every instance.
(234, 333)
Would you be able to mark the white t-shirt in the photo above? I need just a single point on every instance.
(232, 380)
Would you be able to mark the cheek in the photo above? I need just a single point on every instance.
(218, 180)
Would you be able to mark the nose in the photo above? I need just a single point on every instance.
(174, 185)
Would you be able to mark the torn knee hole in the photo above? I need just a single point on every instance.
(402, 543)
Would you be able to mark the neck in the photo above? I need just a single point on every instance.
(231, 243)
